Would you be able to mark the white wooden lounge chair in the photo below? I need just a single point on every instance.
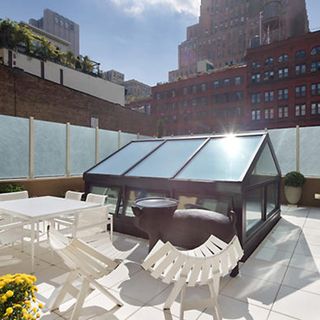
(86, 264)
(201, 266)
(11, 232)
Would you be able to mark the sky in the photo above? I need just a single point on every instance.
(139, 38)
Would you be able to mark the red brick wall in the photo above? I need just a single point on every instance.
(24, 95)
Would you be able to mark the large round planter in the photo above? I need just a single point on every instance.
(293, 194)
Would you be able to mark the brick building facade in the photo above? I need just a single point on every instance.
(25, 95)
(227, 28)
(279, 86)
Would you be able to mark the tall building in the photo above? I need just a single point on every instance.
(278, 87)
(227, 28)
(113, 76)
(54, 23)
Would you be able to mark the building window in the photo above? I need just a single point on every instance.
(194, 89)
(173, 93)
(315, 50)
(315, 89)
(283, 112)
(185, 91)
(269, 61)
(237, 81)
(158, 96)
(283, 73)
(300, 110)
(203, 87)
(255, 98)
(283, 58)
(226, 82)
(255, 115)
(301, 91)
(300, 54)
(283, 94)
(268, 96)
(315, 108)
(255, 78)
(315, 66)
(238, 95)
(301, 69)
(255, 65)
(269, 113)
(268, 75)
(216, 84)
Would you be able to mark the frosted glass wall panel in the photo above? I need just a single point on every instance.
(166, 160)
(222, 159)
(14, 147)
(108, 143)
(284, 145)
(82, 149)
(50, 148)
(310, 151)
(125, 158)
(125, 138)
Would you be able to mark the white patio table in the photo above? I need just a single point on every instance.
(34, 210)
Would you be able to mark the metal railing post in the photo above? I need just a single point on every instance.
(298, 148)
(119, 139)
(68, 149)
(31, 147)
(97, 144)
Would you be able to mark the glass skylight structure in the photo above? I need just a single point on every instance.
(219, 173)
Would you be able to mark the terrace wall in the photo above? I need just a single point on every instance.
(25, 95)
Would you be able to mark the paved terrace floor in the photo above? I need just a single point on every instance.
(280, 281)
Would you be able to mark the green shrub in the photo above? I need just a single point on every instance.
(10, 188)
(294, 179)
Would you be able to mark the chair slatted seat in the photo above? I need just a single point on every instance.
(86, 264)
(203, 265)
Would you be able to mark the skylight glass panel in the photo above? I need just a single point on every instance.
(125, 158)
(167, 160)
(224, 159)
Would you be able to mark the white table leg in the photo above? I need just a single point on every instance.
(32, 245)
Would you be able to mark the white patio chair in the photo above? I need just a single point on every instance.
(201, 266)
(87, 265)
(101, 199)
(64, 221)
(11, 232)
(12, 196)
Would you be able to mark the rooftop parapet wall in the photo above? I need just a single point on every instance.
(25, 95)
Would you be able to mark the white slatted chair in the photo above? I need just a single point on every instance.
(101, 199)
(64, 221)
(85, 264)
(12, 196)
(201, 266)
(11, 232)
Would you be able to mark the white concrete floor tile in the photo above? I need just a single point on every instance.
(123, 272)
(306, 249)
(263, 270)
(231, 309)
(312, 223)
(309, 263)
(278, 316)
(297, 304)
(272, 255)
(148, 313)
(303, 280)
(252, 291)
(141, 286)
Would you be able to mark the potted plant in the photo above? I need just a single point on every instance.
(293, 182)
(18, 297)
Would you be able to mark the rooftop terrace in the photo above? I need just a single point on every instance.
(280, 280)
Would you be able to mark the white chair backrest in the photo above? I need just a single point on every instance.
(78, 255)
(10, 232)
(73, 195)
(14, 195)
(96, 198)
(213, 258)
